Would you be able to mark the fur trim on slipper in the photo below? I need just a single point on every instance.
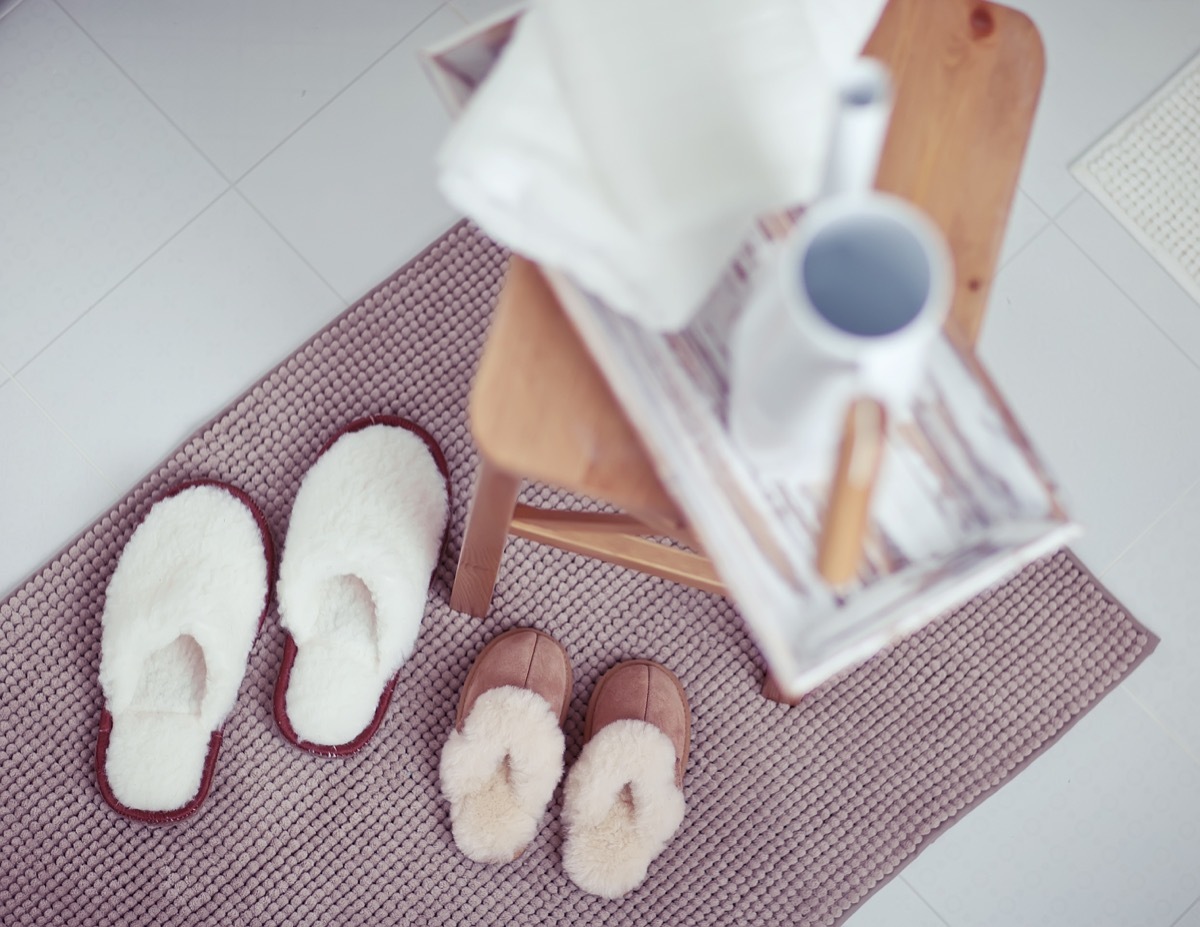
(500, 771)
(365, 533)
(181, 612)
(621, 806)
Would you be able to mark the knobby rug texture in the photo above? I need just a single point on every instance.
(793, 815)
(1146, 172)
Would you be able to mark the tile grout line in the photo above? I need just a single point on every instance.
(141, 90)
(1171, 734)
(343, 302)
(1170, 507)
(1058, 213)
(7, 6)
(133, 270)
(1160, 724)
(1120, 289)
(71, 441)
(924, 900)
(13, 375)
(233, 181)
(1187, 911)
(324, 106)
(203, 209)
(1021, 250)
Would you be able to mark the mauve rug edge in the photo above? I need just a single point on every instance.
(1152, 642)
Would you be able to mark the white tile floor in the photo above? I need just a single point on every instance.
(173, 173)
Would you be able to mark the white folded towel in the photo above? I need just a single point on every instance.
(631, 143)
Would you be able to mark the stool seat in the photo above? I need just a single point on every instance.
(541, 408)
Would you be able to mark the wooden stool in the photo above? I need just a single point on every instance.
(967, 76)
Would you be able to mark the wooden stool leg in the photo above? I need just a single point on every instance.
(483, 544)
(771, 690)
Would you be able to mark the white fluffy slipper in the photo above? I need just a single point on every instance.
(504, 757)
(623, 801)
(364, 536)
(181, 612)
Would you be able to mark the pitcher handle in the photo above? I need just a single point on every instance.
(844, 528)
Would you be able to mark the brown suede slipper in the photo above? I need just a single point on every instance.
(643, 690)
(623, 801)
(522, 657)
(503, 759)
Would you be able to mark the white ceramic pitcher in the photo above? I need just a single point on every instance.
(859, 291)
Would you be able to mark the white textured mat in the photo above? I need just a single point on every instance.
(1147, 172)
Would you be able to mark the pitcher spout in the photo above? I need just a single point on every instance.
(864, 109)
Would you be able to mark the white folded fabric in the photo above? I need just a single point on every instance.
(631, 143)
(621, 806)
(500, 771)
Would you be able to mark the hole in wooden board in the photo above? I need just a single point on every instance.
(982, 23)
